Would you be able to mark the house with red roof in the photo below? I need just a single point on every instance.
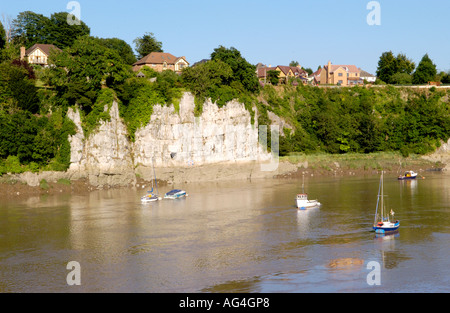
(285, 72)
(342, 75)
(161, 61)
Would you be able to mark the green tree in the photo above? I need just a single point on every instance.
(401, 78)
(386, 66)
(389, 65)
(123, 49)
(243, 72)
(79, 72)
(30, 28)
(202, 79)
(425, 72)
(273, 77)
(2, 36)
(62, 34)
(17, 87)
(147, 44)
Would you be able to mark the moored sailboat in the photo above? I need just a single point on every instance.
(382, 223)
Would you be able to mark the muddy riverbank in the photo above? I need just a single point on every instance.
(13, 186)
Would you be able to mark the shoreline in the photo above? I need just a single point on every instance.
(13, 187)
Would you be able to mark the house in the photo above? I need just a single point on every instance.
(365, 76)
(342, 75)
(161, 61)
(285, 72)
(316, 76)
(38, 53)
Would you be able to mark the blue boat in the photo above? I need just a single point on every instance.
(382, 223)
(408, 175)
(175, 194)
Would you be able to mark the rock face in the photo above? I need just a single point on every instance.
(105, 157)
(181, 139)
(442, 154)
(171, 140)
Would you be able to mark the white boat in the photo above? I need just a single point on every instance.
(175, 194)
(408, 175)
(382, 223)
(150, 196)
(302, 200)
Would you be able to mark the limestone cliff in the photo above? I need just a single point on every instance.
(171, 141)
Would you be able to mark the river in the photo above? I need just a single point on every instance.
(231, 237)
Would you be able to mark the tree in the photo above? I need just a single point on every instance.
(123, 49)
(389, 65)
(147, 44)
(30, 28)
(273, 77)
(62, 34)
(17, 88)
(80, 71)
(294, 63)
(404, 65)
(205, 77)
(425, 72)
(2, 36)
(243, 72)
(401, 78)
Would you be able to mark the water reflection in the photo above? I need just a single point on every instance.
(229, 237)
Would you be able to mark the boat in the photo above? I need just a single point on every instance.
(382, 223)
(303, 203)
(151, 196)
(408, 175)
(175, 194)
(302, 200)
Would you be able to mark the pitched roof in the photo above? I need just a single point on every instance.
(262, 71)
(348, 68)
(159, 58)
(366, 74)
(46, 48)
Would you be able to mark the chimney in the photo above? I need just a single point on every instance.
(22, 53)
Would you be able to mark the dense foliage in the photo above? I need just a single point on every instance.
(361, 120)
(31, 28)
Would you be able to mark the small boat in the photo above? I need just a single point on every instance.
(382, 223)
(303, 203)
(408, 175)
(302, 199)
(175, 194)
(150, 197)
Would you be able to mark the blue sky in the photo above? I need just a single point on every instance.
(271, 32)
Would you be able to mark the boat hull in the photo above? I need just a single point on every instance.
(175, 194)
(149, 199)
(307, 204)
(388, 227)
(406, 178)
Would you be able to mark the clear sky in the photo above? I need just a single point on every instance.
(273, 32)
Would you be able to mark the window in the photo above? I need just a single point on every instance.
(340, 74)
(340, 82)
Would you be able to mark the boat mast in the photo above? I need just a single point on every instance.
(154, 174)
(378, 201)
(382, 196)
